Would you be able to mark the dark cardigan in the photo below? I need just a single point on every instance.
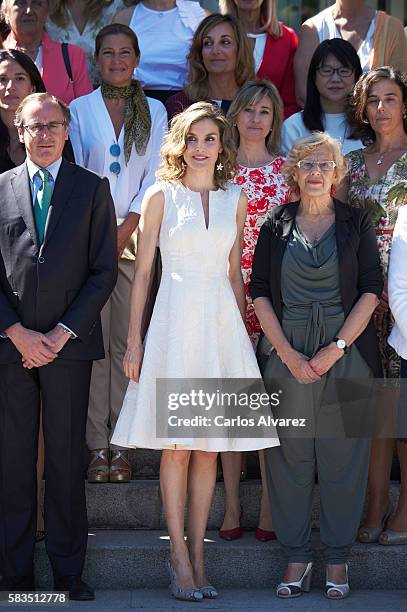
(359, 265)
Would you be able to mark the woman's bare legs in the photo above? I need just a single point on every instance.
(265, 520)
(173, 484)
(201, 484)
(381, 456)
(40, 476)
(399, 520)
(231, 465)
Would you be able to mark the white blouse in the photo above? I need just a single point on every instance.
(164, 39)
(335, 125)
(327, 29)
(86, 40)
(92, 135)
(398, 284)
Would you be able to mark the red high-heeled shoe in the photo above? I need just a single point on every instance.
(264, 535)
(231, 534)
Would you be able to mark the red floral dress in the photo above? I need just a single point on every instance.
(265, 187)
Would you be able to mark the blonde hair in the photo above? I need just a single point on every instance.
(251, 93)
(197, 82)
(173, 166)
(92, 9)
(268, 15)
(307, 145)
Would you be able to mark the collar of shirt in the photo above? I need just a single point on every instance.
(32, 168)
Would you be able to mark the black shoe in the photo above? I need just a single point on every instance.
(78, 589)
(17, 583)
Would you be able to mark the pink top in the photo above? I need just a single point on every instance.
(53, 69)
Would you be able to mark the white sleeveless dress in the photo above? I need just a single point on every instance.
(196, 330)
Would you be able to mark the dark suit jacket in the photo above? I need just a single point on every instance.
(71, 275)
(358, 257)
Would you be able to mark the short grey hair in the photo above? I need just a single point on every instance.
(41, 97)
(307, 145)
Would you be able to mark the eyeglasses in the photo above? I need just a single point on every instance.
(36, 4)
(328, 71)
(115, 151)
(33, 3)
(308, 164)
(35, 129)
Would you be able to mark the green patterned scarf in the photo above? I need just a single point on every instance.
(137, 118)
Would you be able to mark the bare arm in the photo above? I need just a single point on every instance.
(149, 227)
(235, 256)
(307, 43)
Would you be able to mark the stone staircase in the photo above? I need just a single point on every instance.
(128, 542)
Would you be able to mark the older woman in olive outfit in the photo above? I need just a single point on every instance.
(314, 305)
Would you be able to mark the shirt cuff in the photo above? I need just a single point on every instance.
(68, 330)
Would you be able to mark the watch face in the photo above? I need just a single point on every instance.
(341, 343)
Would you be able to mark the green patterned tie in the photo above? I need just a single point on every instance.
(42, 202)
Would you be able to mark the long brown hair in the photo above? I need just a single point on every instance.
(197, 82)
(92, 9)
(357, 102)
(251, 93)
(268, 15)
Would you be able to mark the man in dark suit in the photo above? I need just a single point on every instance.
(58, 266)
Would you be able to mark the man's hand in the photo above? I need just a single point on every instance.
(36, 349)
(58, 337)
(125, 230)
(326, 358)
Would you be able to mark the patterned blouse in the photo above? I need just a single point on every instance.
(382, 197)
(265, 187)
(86, 40)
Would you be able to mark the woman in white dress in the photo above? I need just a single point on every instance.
(196, 329)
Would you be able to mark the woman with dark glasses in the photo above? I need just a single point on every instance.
(117, 132)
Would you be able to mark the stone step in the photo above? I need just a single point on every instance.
(233, 600)
(137, 505)
(137, 559)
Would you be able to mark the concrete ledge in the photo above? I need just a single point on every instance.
(137, 505)
(137, 559)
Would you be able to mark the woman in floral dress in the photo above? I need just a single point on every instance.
(256, 116)
(378, 182)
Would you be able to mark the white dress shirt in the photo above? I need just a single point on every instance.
(35, 184)
(398, 284)
(92, 134)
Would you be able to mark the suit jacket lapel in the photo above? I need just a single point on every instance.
(20, 184)
(62, 191)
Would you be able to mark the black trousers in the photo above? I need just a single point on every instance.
(61, 390)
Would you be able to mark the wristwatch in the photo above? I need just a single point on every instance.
(341, 344)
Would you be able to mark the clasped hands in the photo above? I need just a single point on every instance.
(307, 371)
(37, 349)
